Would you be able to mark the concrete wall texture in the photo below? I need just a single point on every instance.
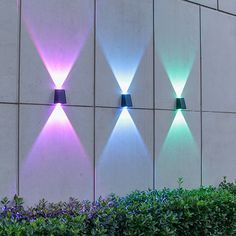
(95, 50)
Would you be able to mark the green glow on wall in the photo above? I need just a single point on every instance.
(178, 67)
(179, 119)
(179, 140)
(179, 155)
(176, 47)
(178, 78)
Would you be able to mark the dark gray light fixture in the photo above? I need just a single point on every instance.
(180, 103)
(59, 96)
(126, 100)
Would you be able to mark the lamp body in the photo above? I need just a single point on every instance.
(180, 103)
(126, 100)
(59, 96)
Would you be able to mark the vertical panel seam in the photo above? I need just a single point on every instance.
(217, 8)
(94, 105)
(18, 97)
(200, 34)
(154, 104)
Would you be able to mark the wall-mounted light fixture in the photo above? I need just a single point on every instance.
(180, 103)
(59, 96)
(126, 100)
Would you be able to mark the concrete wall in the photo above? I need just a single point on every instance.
(157, 50)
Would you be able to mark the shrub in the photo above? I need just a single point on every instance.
(231, 187)
(204, 211)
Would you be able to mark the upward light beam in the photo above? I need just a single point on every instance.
(177, 42)
(178, 69)
(122, 42)
(58, 33)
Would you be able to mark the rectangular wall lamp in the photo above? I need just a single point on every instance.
(180, 103)
(126, 100)
(59, 96)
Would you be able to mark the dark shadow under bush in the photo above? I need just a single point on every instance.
(204, 211)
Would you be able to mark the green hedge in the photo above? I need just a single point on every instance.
(204, 211)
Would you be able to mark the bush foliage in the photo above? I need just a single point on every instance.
(203, 211)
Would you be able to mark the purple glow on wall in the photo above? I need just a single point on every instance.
(58, 116)
(58, 33)
(58, 159)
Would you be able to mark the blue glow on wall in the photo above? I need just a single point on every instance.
(126, 156)
(123, 42)
(125, 134)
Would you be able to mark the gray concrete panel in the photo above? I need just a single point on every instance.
(124, 151)
(228, 6)
(8, 50)
(218, 147)
(177, 54)
(124, 58)
(56, 155)
(218, 61)
(8, 150)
